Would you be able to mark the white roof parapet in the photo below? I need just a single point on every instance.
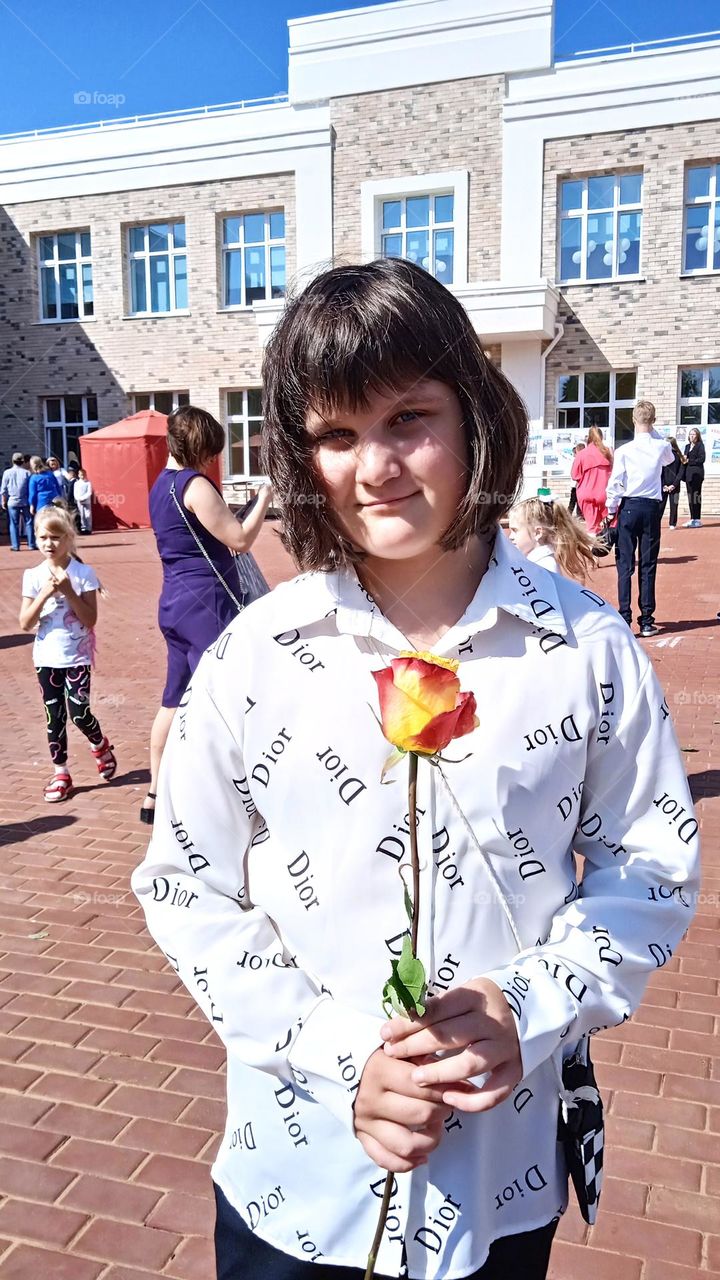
(416, 42)
(154, 117)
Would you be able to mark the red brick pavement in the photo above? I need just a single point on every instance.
(112, 1081)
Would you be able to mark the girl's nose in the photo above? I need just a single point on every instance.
(377, 462)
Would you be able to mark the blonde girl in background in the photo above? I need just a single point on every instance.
(59, 596)
(545, 532)
(83, 493)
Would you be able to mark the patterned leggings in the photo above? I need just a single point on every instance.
(73, 684)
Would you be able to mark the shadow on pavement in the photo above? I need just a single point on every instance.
(705, 783)
(16, 832)
(668, 628)
(11, 642)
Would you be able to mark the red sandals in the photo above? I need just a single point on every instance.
(58, 788)
(105, 760)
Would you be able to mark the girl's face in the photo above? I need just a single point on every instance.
(55, 546)
(694, 436)
(520, 533)
(395, 472)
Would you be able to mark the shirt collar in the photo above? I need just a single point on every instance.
(511, 584)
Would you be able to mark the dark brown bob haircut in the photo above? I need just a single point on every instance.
(194, 436)
(378, 326)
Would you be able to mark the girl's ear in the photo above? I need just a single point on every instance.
(537, 531)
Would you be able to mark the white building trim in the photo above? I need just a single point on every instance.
(136, 156)
(374, 192)
(415, 42)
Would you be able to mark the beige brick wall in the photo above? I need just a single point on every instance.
(424, 129)
(664, 321)
(113, 355)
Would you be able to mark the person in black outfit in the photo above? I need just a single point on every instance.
(672, 477)
(694, 476)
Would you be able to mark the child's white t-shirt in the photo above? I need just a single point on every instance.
(61, 640)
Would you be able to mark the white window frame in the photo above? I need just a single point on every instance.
(79, 261)
(244, 419)
(160, 391)
(269, 242)
(712, 204)
(145, 254)
(453, 182)
(704, 400)
(87, 424)
(612, 404)
(616, 210)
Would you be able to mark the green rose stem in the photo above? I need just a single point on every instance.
(414, 924)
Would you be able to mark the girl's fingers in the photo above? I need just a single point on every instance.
(385, 1159)
(441, 1008)
(496, 1089)
(475, 1060)
(451, 1033)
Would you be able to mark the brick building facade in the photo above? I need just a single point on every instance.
(440, 129)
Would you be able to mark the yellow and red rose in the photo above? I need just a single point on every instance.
(421, 705)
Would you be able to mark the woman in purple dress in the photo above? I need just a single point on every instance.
(196, 536)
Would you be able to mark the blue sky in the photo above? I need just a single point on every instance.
(131, 58)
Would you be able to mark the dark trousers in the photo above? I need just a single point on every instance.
(674, 500)
(638, 532)
(694, 486)
(573, 503)
(242, 1255)
(66, 688)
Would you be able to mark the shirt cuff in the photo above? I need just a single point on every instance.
(329, 1054)
(543, 1010)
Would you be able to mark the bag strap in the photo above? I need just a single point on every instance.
(203, 550)
(557, 1057)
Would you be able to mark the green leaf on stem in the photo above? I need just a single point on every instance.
(404, 991)
(408, 904)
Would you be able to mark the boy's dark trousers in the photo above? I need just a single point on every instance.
(242, 1255)
(638, 530)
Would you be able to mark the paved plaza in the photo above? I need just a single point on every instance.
(112, 1082)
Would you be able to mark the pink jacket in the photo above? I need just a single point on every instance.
(591, 472)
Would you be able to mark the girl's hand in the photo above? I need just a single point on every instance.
(397, 1121)
(61, 580)
(474, 1029)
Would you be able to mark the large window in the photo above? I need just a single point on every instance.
(253, 258)
(602, 400)
(700, 396)
(244, 427)
(66, 285)
(158, 268)
(163, 401)
(421, 229)
(66, 418)
(600, 227)
(702, 218)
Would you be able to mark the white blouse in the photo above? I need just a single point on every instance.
(272, 885)
(543, 554)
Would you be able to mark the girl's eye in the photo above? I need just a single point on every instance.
(409, 415)
(329, 437)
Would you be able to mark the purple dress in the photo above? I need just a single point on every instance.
(194, 606)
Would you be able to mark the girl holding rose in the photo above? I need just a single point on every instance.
(283, 866)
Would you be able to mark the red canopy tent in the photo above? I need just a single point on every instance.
(123, 462)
